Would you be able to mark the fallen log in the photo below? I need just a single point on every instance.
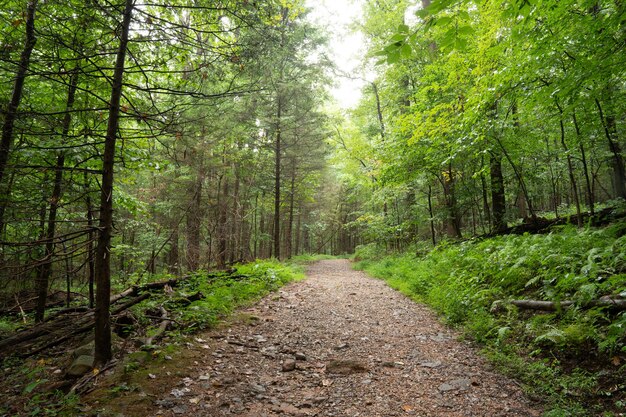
(613, 302)
(136, 289)
(36, 332)
(84, 328)
(161, 329)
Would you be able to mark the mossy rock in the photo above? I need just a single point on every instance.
(80, 366)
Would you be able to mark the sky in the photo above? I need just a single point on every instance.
(346, 47)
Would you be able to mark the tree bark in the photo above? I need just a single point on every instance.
(570, 168)
(16, 97)
(379, 111)
(292, 192)
(223, 227)
(498, 201)
(615, 303)
(277, 169)
(103, 251)
(432, 216)
(193, 226)
(583, 156)
(619, 172)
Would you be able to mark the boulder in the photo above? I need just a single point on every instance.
(80, 366)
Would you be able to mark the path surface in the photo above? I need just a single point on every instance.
(359, 348)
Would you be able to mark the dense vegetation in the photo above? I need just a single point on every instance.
(573, 356)
(486, 114)
(139, 139)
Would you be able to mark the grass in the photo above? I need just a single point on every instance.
(576, 355)
(223, 296)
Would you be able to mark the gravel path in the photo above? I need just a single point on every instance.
(340, 344)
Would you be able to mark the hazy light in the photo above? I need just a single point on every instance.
(346, 48)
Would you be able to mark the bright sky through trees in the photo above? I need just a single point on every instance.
(346, 47)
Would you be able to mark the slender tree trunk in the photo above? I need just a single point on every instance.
(103, 251)
(298, 232)
(173, 257)
(485, 198)
(237, 222)
(90, 238)
(518, 174)
(379, 111)
(277, 169)
(583, 156)
(255, 229)
(570, 168)
(432, 215)
(194, 218)
(46, 269)
(16, 97)
(223, 226)
(449, 189)
(289, 231)
(619, 172)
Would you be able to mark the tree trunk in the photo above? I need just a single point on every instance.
(619, 172)
(289, 231)
(296, 248)
(570, 168)
(194, 219)
(90, 240)
(432, 216)
(453, 227)
(16, 97)
(173, 257)
(277, 163)
(103, 251)
(498, 201)
(583, 156)
(46, 268)
(379, 111)
(223, 227)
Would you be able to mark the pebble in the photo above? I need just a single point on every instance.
(289, 365)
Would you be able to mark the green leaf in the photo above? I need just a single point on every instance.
(403, 29)
(465, 30)
(393, 57)
(398, 37)
(405, 50)
(443, 20)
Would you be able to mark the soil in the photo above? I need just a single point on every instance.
(337, 344)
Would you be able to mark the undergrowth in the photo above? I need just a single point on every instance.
(573, 358)
(222, 295)
(29, 383)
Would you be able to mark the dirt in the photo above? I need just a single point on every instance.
(337, 344)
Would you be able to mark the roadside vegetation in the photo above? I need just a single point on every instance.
(573, 358)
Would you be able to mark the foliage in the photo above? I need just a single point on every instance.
(469, 284)
(223, 295)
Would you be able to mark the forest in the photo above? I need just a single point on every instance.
(195, 147)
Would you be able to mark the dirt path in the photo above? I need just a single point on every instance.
(359, 349)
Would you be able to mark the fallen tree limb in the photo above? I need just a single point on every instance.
(161, 329)
(84, 328)
(136, 289)
(612, 302)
